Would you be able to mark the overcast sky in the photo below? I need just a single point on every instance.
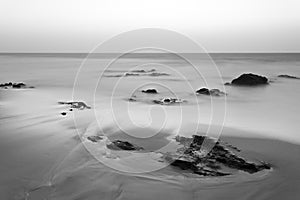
(219, 26)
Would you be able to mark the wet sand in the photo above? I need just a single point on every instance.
(43, 157)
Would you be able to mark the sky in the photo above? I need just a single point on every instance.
(218, 25)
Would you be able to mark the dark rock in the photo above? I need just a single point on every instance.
(123, 145)
(212, 92)
(288, 76)
(150, 91)
(203, 91)
(168, 101)
(94, 138)
(63, 113)
(14, 85)
(249, 80)
(18, 85)
(190, 157)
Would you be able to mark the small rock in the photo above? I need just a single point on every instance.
(94, 138)
(159, 74)
(212, 92)
(63, 113)
(76, 104)
(143, 70)
(203, 91)
(123, 145)
(150, 91)
(288, 76)
(168, 101)
(131, 74)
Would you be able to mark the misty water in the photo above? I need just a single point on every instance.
(271, 110)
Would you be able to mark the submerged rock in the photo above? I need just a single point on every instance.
(158, 74)
(150, 91)
(249, 80)
(212, 92)
(76, 104)
(168, 101)
(288, 76)
(191, 157)
(143, 70)
(123, 145)
(94, 138)
(139, 72)
(131, 74)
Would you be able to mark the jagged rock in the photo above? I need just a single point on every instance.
(190, 157)
(123, 145)
(249, 80)
(212, 92)
(150, 91)
(168, 101)
(94, 138)
(76, 104)
(288, 76)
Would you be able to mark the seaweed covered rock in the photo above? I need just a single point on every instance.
(123, 145)
(249, 80)
(196, 159)
(212, 92)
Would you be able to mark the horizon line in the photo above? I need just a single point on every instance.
(212, 52)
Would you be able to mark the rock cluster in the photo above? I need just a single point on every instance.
(79, 105)
(168, 101)
(14, 85)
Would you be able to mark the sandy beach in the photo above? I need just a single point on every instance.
(53, 149)
(43, 157)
